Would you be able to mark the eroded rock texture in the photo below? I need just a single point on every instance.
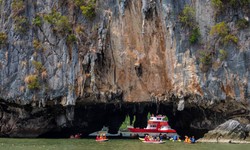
(230, 130)
(131, 51)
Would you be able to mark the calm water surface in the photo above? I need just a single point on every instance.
(113, 144)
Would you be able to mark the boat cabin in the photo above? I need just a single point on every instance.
(157, 122)
(157, 119)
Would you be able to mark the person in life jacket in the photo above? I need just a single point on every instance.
(160, 137)
(192, 139)
(104, 136)
(77, 136)
(146, 138)
(175, 138)
(187, 140)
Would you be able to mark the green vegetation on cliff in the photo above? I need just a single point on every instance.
(221, 30)
(187, 19)
(205, 57)
(195, 35)
(60, 23)
(71, 39)
(18, 7)
(242, 23)
(220, 4)
(21, 24)
(222, 54)
(3, 38)
(37, 45)
(18, 16)
(87, 7)
(37, 21)
(32, 82)
(38, 65)
(230, 38)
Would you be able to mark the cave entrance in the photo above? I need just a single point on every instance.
(93, 117)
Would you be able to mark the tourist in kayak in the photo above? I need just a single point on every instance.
(78, 136)
(97, 137)
(161, 137)
(192, 139)
(101, 138)
(175, 138)
(104, 136)
(187, 139)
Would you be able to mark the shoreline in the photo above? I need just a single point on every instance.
(231, 141)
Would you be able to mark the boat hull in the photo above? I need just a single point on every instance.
(101, 140)
(154, 142)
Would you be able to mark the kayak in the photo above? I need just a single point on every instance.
(142, 139)
(154, 142)
(101, 140)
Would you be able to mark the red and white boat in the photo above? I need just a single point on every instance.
(156, 125)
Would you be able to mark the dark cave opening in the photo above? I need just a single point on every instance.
(91, 118)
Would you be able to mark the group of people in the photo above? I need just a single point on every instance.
(175, 138)
(189, 139)
(150, 138)
(77, 136)
(101, 137)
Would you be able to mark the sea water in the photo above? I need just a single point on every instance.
(112, 144)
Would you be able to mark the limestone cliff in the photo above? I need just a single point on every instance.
(190, 54)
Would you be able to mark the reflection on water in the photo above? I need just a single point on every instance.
(112, 144)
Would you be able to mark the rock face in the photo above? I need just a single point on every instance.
(54, 54)
(230, 130)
